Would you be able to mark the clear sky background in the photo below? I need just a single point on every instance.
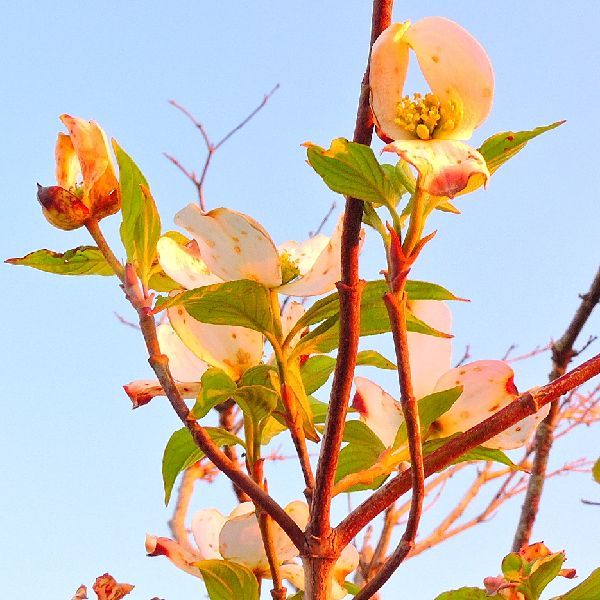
(80, 471)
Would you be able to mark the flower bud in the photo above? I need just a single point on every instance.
(62, 208)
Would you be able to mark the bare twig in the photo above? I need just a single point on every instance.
(465, 357)
(210, 146)
(350, 290)
(562, 352)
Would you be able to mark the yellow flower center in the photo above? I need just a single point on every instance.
(424, 116)
(289, 267)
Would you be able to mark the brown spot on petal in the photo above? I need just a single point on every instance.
(494, 408)
(487, 92)
(511, 388)
(237, 249)
(358, 402)
(210, 243)
(435, 58)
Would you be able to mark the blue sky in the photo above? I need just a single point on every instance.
(81, 471)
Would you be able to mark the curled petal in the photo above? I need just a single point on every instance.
(184, 265)
(457, 70)
(445, 167)
(240, 541)
(61, 208)
(231, 348)
(184, 365)
(294, 573)
(377, 409)
(233, 245)
(206, 528)
(389, 63)
(100, 185)
(162, 546)
(107, 588)
(345, 564)
(429, 357)
(488, 386)
(290, 315)
(319, 271)
(67, 163)
(141, 391)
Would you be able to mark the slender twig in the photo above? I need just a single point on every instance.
(562, 352)
(227, 421)
(396, 307)
(211, 147)
(160, 365)
(526, 404)
(350, 290)
(323, 222)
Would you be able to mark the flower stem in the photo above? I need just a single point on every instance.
(94, 228)
(417, 221)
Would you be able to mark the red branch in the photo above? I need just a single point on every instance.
(526, 404)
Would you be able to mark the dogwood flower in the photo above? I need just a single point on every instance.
(237, 538)
(488, 386)
(429, 130)
(234, 246)
(83, 153)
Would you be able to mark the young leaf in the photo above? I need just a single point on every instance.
(430, 408)
(295, 384)
(316, 371)
(228, 580)
(466, 593)
(242, 302)
(351, 169)
(502, 146)
(217, 387)
(588, 589)
(536, 583)
(83, 260)
(182, 452)
(140, 228)
(372, 358)
(261, 375)
(478, 453)
(256, 401)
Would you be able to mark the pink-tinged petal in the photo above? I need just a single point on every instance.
(100, 185)
(107, 588)
(389, 63)
(67, 163)
(290, 315)
(184, 365)
(429, 357)
(325, 271)
(184, 265)
(457, 70)
(233, 245)
(206, 528)
(520, 433)
(233, 349)
(345, 564)
(488, 386)
(141, 391)
(240, 541)
(445, 167)
(162, 546)
(377, 409)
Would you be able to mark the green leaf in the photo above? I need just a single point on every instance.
(596, 471)
(351, 169)
(140, 228)
(588, 589)
(182, 452)
(319, 409)
(538, 580)
(512, 565)
(359, 433)
(295, 383)
(477, 453)
(401, 176)
(351, 588)
(316, 371)
(373, 292)
(261, 375)
(430, 408)
(83, 260)
(502, 146)
(217, 387)
(372, 358)
(242, 302)
(228, 580)
(465, 593)
(256, 401)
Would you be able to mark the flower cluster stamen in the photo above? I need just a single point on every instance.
(422, 115)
